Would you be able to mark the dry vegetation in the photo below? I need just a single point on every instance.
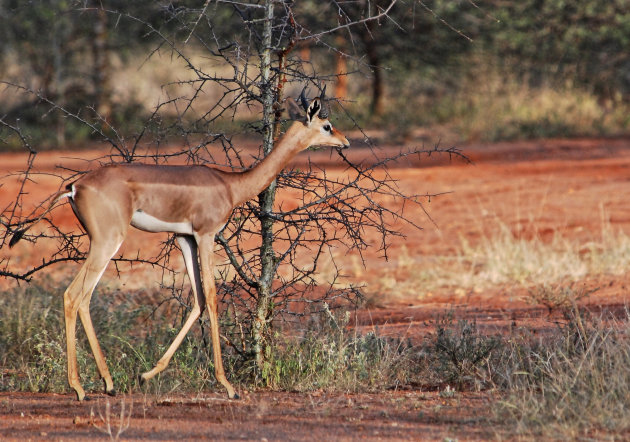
(521, 262)
(570, 383)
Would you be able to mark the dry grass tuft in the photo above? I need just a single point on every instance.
(506, 259)
(575, 384)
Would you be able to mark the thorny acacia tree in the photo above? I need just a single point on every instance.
(251, 47)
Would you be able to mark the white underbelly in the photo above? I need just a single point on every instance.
(143, 221)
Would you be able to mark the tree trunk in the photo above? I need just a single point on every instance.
(58, 83)
(376, 108)
(366, 34)
(100, 76)
(341, 70)
(266, 199)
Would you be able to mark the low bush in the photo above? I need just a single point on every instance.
(573, 384)
(330, 355)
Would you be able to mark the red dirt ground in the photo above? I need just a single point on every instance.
(537, 189)
(257, 416)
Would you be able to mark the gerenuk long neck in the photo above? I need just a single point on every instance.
(250, 183)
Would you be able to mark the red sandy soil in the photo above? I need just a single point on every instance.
(257, 416)
(537, 189)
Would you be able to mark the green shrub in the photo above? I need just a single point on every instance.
(330, 355)
(459, 355)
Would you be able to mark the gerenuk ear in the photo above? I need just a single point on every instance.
(313, 110)
(296, 113)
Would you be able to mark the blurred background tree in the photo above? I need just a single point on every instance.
(425, 64)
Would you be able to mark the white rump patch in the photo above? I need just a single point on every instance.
(143, 221)
(69, 194)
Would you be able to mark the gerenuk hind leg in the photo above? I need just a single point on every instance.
(77, 299)
(189, 250)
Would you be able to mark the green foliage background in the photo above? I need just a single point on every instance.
(445, 63)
